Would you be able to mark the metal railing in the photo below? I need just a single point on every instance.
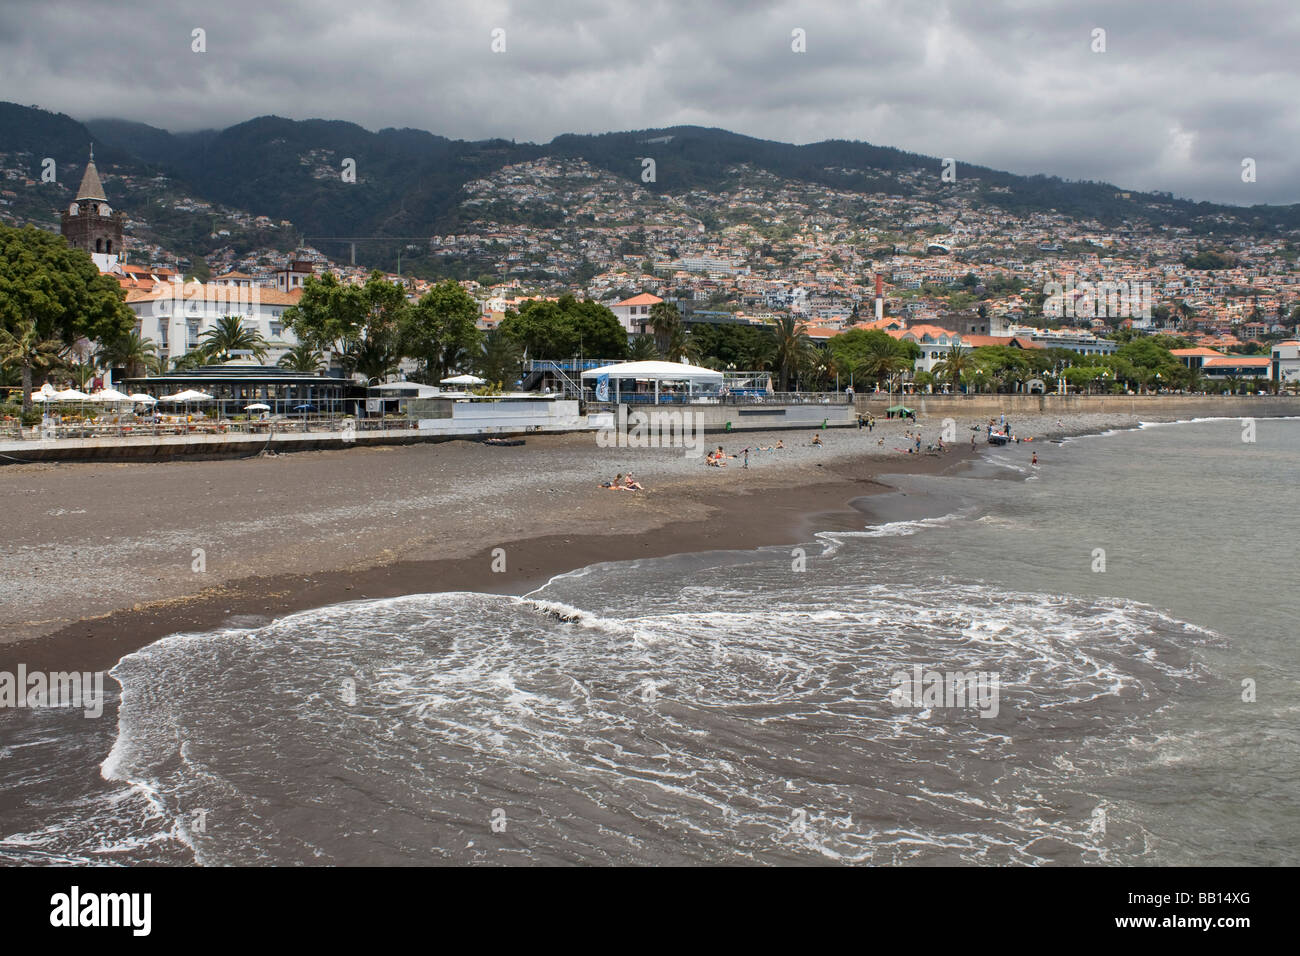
(204, 427)
(828, 399)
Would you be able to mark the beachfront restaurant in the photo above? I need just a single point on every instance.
(234, 385)
(653, 383)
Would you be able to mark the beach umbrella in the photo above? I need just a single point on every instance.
(188, 395)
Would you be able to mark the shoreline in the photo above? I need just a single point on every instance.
(768, 517)
(786, 506)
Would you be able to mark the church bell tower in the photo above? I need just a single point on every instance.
(89, 223)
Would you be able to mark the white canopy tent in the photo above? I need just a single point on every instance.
(696, 378)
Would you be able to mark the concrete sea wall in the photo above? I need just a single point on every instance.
(1152, 406)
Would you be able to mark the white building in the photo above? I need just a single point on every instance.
(175, 315)
(634, 313)
(1286, 362)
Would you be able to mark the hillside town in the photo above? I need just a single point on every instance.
(957, 275)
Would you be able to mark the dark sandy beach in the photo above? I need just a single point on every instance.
(100, 557)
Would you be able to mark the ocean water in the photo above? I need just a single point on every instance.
(743, 707)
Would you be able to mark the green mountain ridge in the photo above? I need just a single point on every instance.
(408, 181)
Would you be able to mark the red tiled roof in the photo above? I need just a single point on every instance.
(645, 298)
(1238, 361)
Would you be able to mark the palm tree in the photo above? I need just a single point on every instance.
(301, 358)
(25, 348)
(642, 348)
(194, 359)
(791, 344)
(756, 355)
(131, 352)
(681, 348)
(953, 365)
(664, 320)
(499, 358)
(821, 367)
(229, 335)
(376, 356)
(882, 361)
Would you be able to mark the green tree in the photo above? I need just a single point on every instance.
(50, 291)
(440, 331)
(681, 348)
(953, 365)
(665, 320)
(792, 344)
(563, 329)
(131, 353)
(882, 360)
(229, 335)
(642, 349)
(301, 358)
(499, 359)
(358, 323)
(23, 347)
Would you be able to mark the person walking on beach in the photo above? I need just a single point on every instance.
(746, 454)
(1035, 459)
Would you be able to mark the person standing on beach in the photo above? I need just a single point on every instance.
(1035, 459)
(746, 454)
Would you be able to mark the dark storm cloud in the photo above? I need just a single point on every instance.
(1182, 94)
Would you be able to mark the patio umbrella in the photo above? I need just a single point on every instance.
(257, 407)
(109, 395)
(140, 398)
(189, 395)
(71, 395)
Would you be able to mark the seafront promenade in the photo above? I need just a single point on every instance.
(1154, 406)
(240, 440)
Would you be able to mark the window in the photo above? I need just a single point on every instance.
(277, 329)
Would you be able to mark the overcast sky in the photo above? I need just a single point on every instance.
(1184, 91)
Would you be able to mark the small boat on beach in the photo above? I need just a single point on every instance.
(503, 441)
(998, 438)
